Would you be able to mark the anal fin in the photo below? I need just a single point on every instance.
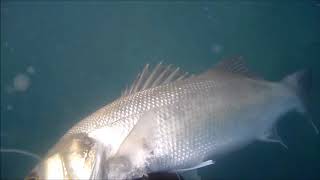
(272, 136)
(190, 175)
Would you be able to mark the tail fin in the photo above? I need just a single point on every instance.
(301, 82)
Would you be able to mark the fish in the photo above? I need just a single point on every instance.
(172, 121)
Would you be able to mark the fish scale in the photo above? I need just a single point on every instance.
(178, 134)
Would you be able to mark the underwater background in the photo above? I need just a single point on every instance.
(62, 61)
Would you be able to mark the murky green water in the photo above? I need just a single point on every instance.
(62, 61)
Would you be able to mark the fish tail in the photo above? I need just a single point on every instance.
(301, 82)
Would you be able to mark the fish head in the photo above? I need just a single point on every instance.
(72, 157)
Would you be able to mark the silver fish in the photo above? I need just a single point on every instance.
(169, 121)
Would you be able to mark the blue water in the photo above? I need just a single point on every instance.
(74, 57)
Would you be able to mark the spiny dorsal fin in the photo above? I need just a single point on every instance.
(235, 65)
(152, 77)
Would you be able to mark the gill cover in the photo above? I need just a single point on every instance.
(74, 157)
(78, 157)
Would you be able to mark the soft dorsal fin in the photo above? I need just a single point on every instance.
(152, 77)
(235, 65)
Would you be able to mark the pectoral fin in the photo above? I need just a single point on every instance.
(192, 173)
(203, 164)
